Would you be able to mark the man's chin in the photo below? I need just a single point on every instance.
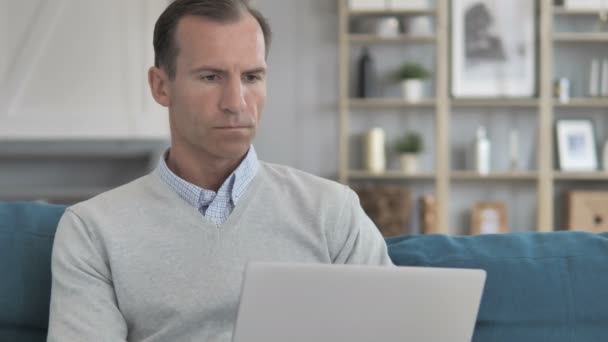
(233, 151)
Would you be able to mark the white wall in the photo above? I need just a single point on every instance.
(74, 69)
(300, 123)
(77, 69)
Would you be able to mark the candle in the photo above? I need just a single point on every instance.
(375, 160)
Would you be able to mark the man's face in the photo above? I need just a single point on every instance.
(218, 94)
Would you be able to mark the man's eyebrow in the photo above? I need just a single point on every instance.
(260, 70)
(208, 69)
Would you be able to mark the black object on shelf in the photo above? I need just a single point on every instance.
(366, 75)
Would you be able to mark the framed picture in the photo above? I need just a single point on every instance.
(583, 4)
(576, 145)
(489, 218)
(587, 211)
(492, 56)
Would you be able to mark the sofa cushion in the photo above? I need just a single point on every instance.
(26, 240)
(539, 287)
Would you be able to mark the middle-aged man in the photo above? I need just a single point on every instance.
(162, 258)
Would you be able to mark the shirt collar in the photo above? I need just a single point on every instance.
(236, 184)
(244, 174)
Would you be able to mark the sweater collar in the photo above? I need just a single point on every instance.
(233, 187)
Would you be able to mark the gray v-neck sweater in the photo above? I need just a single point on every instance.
(140, 264)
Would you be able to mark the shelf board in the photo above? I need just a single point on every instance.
(495, 176)
(495, 102)
(561, 10)
(51, 193)
(389, 103)
(389, 175)
(580, 37)
(591, 102)
(412, 11)
(81, 148)
(404, 38)
(580, 176)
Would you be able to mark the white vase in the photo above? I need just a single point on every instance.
(412, 90)
(387, 27)
(409, 162)
(418, 25)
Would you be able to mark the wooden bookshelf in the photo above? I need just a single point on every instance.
(389, 175)
(389, 103)
(400, 39)
(495, 176)
(443, 109)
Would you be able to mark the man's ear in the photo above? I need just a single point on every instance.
(159, 86)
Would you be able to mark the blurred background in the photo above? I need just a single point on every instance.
(449, 116)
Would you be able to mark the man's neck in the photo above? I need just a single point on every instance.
(201, 170)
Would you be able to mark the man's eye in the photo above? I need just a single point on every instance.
(253, 78)
(209, 78)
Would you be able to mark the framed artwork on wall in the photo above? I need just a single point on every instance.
(584, 4)
(489, 218)
(492, 56)
(576, 145)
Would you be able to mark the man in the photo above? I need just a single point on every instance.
(162, 258)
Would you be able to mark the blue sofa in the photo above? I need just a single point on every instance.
(540, 286)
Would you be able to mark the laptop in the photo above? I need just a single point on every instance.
(352, 303)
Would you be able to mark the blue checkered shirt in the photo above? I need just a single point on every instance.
(214, 206)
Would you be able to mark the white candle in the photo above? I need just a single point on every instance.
(375, 160)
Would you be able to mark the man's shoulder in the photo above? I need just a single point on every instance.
(118, 200)
(294, 181)
(291, 175)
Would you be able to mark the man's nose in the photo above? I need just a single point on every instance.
(233, 97)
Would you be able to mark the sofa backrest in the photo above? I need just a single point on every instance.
(26, 239)
(539, 287)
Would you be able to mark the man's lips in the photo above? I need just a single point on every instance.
(233, 127)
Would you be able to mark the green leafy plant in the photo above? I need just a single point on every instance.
(411, 71)
(409, 143)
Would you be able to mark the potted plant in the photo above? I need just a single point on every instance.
(409, 148)
(411, 76)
